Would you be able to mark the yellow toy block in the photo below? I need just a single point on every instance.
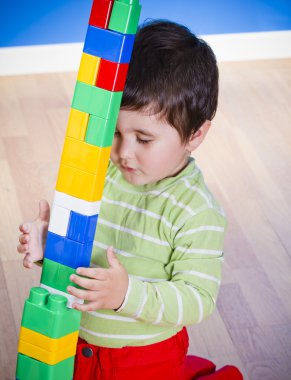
(89, 68)
(48, 357)
(77, 125)
(80, 184)
(45, 342)
(86, 157)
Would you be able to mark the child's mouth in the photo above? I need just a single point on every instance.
(128, 169)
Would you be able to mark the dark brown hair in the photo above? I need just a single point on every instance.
(174, 74)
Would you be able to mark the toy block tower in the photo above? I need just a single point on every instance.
(50, 327)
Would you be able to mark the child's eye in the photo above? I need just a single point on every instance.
(116, 134)
(140, 141)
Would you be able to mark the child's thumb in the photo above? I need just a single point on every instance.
(44, 210)
(112, 258)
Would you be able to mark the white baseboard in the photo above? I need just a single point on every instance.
(40, 59)
(66, 57)
(251, 46)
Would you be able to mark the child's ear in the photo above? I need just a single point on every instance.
(197, 137)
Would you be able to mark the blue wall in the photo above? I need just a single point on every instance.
(58, 21)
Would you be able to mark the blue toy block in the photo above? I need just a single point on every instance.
(67, 252)
(107, 44)
(82, 227)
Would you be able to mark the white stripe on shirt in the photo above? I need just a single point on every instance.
(199, 274)
(200, 229)
(116, 250)
(119, 336)
(141, 211)
(113, 317)
(142, 304)
(197, 295)
(133, 232)
(160, 193)
(199, 191)
(148, 279)
(162, 308)
(179, 303)
(126, 296)
(199, 251)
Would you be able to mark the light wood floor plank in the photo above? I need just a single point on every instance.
(8, 336)
(19, 281)
(10, 213)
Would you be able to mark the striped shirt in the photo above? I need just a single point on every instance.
(169, 236)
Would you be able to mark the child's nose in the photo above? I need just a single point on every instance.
(125, 150)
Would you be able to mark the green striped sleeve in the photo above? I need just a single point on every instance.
(194, 271)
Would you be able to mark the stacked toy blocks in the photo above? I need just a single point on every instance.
(48, 337)
(49, 327)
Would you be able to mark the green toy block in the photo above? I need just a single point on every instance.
(96, 101)
(100, 132)
(125, 16)
(57, 275)
(129, 2)
(29, 369)
(48, 314)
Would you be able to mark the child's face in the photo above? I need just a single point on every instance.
(146, 149)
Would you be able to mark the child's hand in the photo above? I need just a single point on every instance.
(33, 237)
(105, 288)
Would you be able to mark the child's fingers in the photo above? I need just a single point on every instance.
(24, 238)
(91, 306)
(110, 250)
(87, 283)
(26, 262)
(79, 307)
(112, 258)
(93, 273)
(22, 248)
(25, 228)
(82, 294)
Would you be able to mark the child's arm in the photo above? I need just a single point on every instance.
(195, 273)
(187, 298)
(33, 236)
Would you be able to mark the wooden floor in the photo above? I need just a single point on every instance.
(247, 164)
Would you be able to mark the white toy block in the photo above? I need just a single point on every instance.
(71, 299)
(75, 204)
(59, 220)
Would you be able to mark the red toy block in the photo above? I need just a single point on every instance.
(111, 75)
(100, 13)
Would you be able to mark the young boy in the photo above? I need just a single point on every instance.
(166, 228)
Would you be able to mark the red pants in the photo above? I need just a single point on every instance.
(160, 361)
